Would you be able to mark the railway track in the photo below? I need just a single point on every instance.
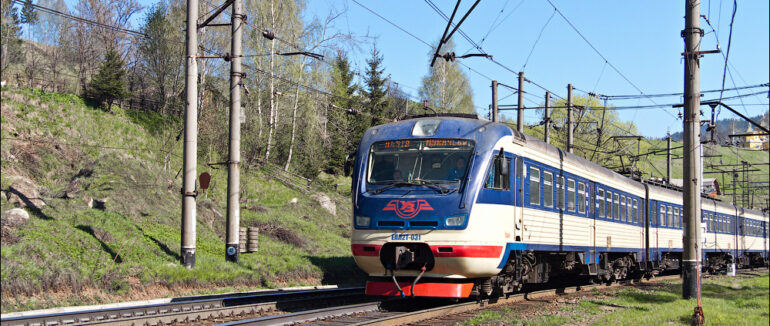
(348, 306)
(196, 309)
(401, 312)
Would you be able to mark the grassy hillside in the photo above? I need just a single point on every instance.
(68, 253)
(655, 165)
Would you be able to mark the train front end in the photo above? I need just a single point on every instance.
(414, 183)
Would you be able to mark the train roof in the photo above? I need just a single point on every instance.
(593, 168)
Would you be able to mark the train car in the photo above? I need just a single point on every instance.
(752, 239)
(454, 206)
(719, 241)
(665, 213)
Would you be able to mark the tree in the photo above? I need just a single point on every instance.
(595, 125)
(446, 87)
(10, 36)
(375, 83)
(158, 56)
(345, 129)
(108, 84)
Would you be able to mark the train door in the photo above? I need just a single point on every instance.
(518, 214)
(593, 212)
(653, 211)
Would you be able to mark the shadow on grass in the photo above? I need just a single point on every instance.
(32, 207)
(341, 271)
(160, 245)
(88, 229)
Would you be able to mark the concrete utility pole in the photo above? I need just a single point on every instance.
(570, 128)
(494, 101)
(520, 113)
(692, 169)
(233, 167)
(668, 158)
(547, 119)
(190, 165)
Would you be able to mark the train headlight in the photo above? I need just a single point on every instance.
(455, 220)
(362, 221)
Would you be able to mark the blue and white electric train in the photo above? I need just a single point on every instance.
(454, 206)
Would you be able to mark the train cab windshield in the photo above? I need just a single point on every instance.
(419, 162)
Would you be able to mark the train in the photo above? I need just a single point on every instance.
(454, 206)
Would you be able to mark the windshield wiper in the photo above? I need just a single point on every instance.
(395, 184)
(435, 186)
(429, 184)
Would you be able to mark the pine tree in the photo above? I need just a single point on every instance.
(346, 129)
(375, 83)
(108, 85)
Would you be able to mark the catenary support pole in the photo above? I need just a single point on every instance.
(570, 128)
(494, 101)
(190, 165)
(668, 158)
(692, 169)
(520, 111)
(233, 168)
(547, 118)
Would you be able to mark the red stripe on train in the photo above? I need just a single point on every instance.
(444, 290)
(467, 251)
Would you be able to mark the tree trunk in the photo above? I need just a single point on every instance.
(294, 115)
(272, 121)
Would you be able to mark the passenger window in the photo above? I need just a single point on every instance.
(616, 202)
(560, 190)
(628, 209)
(571, 195)
(600, 201)
(670, 212)
(662, 215)
(581, 197)
(676, 217)
(548, 189)
(636, 212)
(623, 216)
(534, 186)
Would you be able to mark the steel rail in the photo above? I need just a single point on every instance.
(426, 314)
(196, 309)
(307, 316)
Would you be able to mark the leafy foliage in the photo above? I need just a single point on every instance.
(446, 87)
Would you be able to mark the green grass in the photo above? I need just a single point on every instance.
(69, 254)
(726, 301)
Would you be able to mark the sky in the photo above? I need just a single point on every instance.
(638, 42)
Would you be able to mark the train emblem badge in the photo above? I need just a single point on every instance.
(407, 209)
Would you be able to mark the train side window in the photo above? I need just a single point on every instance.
(548, 189)
(708, 222)
(560, 194)
(600, 201)
(496, 180)
(636, 211)
(534, 186)
(676, 217)
(670, 214)
(616, 206)
(581, 197)
(571, 195)
(662, 215)
(628, 209)
(623, 210)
